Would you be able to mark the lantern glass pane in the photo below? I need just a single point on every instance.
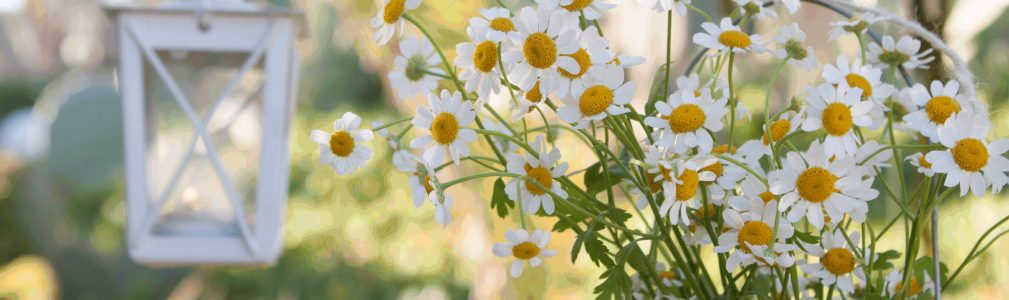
(198, 199)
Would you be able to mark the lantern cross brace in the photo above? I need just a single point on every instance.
(200, 132)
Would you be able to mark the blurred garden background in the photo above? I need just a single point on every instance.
(62, 207)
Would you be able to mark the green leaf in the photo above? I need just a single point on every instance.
(499, 200)
(806, 237)
(595, 180)
(598, 252)
(619, 216)
(632, 255)
(882, 261)
(923, 265)
(611, 287)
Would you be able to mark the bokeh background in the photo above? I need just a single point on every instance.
(62, 207)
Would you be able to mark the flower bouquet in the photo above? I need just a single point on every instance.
(676, 203)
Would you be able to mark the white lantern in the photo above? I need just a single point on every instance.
(207, 95)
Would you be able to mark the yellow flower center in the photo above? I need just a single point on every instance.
(667, 275)
(582, 57)
(855, 80)
(924, 163)
(653, 185)
(541, 175)
(540, 51)
(502, 24)
(485, 56)
(525, 250)
(577, 4)
(341, 143)
(837, 119)
(816, 184)
(426, 179)
(595, 100)
(722, 149)
(755, 233)
(970, 154)
(734, 39)
(915, 287)
(686, 118)
(444, 128)
(940, 108)
(779, 129)
(393, 10)
(767, 196)
(686, 190)
(534, 95)
(839, 261)
(716, 168)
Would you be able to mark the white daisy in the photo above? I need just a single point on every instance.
(526, 103)
(605, 94)
(857, 75)
(524, 247)
(593, 51)
(666, 5)
(923, 166)
(420, 175)
(727, 37)
(442, 215)
(895, 285)
(791, 5)
(542, 170)
(390, 18)
(344, 148)
(867, 159)
(669, 277)
(787, 123)
(681, 186)
(752, 188)
(493, 24)
(718, 88)
(836, 110)
(542, 43)
(727, 174)
(445, 122)
(838, 264)
(696, 232)
(479, 63)
(933, 109)
(591, 9)
(756, 8)
(790, 40)
(904, 52)
(749, 234)
(412, 72)
(626, 61)
(970, 160)
(857, 25)
(686, 121)
(812, 183)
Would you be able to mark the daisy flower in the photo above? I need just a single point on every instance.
(727, 174)
(479, 61)
(686, 121)
(669, 277)
(542, 170)
(524, 247)
(857, 25)
(344, 149)
(605, 94)
(752, 188)
(697, 232)
(812, 183)
(442, 215)
(791, 5)
(933, 109)
(895, 284)
(626, 61)
(666, 5)
(682, 185)
(751, 232)
(727, 37)
(493, 24)
(837, 110)
(390, 18)
(837, 263)
(590, 8)
(786, 124)
(791, 38)
(857, 75)
(420, 175)
(593, 51)
(970, 160)
(412, 72)
(542, 44)
(693, 83)
(445, 122)
(526, 102)
(867, 159)
(756, 9)
(923, 166)
(904, 52)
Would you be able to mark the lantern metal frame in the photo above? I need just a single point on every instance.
(267, 36)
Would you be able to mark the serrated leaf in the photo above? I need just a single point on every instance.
(882, 260)
(619, 216)
(598, 253)
(596, 181)
(499, 200)
(806, 237)
(612, 286)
